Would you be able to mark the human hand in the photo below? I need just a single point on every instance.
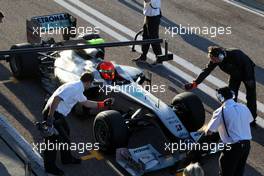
(190, 86)
(109, 101)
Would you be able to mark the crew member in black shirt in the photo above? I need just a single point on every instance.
(240, 68)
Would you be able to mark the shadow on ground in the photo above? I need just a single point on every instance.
(196, 41)
(3, 170)
(29, 93)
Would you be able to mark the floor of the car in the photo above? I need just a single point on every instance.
(148, 135)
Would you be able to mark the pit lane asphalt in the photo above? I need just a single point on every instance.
(21, 101)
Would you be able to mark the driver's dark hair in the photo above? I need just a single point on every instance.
(87, 77)
(226, 92)
(1, 15)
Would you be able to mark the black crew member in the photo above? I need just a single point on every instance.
(240, 68)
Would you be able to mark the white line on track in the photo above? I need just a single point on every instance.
(96, 14)
(245, 7)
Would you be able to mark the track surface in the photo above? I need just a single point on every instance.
(21, 101)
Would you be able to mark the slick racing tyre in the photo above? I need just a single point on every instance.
(24, 65)
(110, 130)
(190, 110)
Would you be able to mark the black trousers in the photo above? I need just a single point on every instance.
(50, 155)
(232, 162)
(151, 31)
(251, 96)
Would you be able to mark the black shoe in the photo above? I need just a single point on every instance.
(141, 58)
(72, 161)
(54, 171)
(253, 124)
(156, 63)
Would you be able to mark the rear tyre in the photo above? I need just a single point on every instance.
(190, 110)
(24, 65)
(110, 130)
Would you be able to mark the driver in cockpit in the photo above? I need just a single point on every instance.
(109, 73)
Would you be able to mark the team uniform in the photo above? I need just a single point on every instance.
(70, 94)
(152, 15)
(232, 121)
(241, 69)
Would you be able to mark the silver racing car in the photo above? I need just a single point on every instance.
(140, 128)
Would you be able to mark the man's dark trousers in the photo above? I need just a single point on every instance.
(251, 96)
(232, 162)
(63, 129)
(151, 31)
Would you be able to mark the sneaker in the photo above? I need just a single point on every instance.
(141, 58)
(72, 161)
(55, 171)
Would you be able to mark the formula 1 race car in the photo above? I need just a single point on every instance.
(139, 125)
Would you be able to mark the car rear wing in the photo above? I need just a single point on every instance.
(61, 23)
(161, 58)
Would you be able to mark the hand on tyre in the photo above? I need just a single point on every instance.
(109, 101)
(190, 86)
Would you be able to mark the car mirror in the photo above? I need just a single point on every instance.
(140, 78)
(149, 77)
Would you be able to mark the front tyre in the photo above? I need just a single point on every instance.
(110, 130)
(190, 110)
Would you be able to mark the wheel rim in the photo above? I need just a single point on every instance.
(101, 133)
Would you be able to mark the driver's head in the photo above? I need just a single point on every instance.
(216, 54)
(87, 78)
(107, 70)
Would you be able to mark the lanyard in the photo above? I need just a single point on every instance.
(153, 7)
(223, 115)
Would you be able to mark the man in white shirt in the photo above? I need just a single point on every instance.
(56, 110)
(152, 15)
(232, 121)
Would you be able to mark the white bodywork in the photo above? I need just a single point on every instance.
(69, 67)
